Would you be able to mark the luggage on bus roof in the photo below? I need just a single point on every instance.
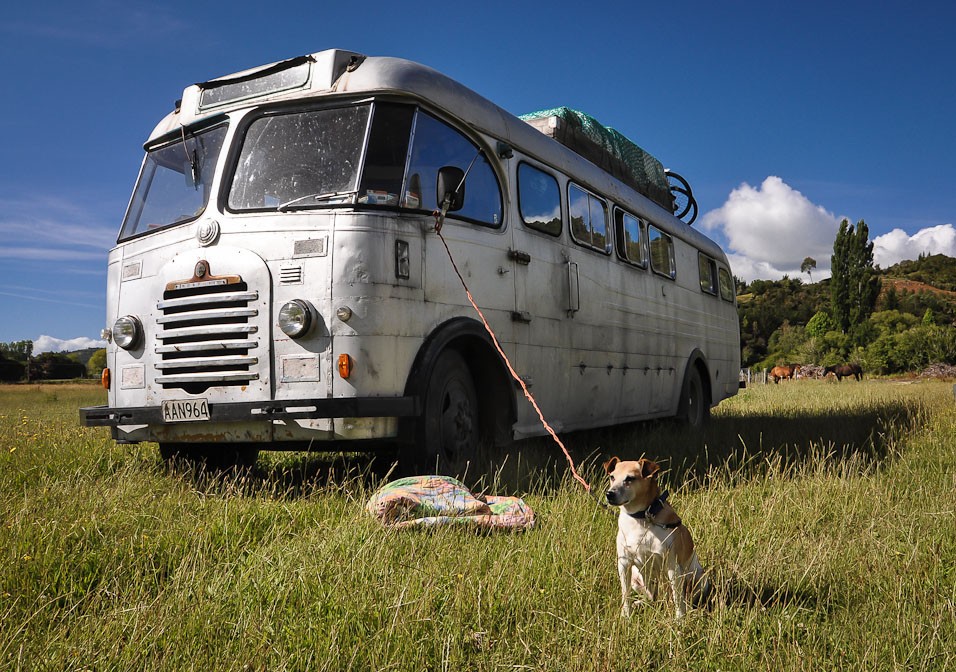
(606, 148)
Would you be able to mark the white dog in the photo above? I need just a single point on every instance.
(651, 539)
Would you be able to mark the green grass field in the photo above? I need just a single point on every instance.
(825, 512)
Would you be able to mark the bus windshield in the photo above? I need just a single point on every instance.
(300, 159)
(174, 184)
(386, 154)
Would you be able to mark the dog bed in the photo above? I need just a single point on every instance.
(430, 501)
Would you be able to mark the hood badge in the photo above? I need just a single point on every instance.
(203, 277)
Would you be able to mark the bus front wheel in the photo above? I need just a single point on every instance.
(448, 433)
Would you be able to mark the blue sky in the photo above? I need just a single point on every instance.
(785, 116)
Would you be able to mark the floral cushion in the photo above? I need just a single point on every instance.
(441, 500)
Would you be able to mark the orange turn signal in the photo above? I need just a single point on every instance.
(345, 366)
(105, 379)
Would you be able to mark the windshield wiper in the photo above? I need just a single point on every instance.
(316, 197)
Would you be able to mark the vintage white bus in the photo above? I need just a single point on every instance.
(277, 282)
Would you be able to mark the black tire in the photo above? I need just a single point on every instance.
(685, 205)
(676, 180)
(448, 432)
(694, 407)
(212, 457)
(683, 202)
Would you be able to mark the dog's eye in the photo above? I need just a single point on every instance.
(628, 479)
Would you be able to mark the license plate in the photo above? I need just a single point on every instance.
(185, 410)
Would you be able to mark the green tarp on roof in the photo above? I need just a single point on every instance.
(606, 148)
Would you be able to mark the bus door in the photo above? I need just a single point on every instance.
(667, 326)
(596, 338)
(543, 299)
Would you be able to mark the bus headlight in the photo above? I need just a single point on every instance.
(296, 318)
(127, 332)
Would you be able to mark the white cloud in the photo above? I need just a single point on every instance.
(50, 344)
(51, 254)
(67, 235)
(772, 228)
(33, 224)
(897, 245)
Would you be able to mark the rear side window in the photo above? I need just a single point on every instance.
(662, 252)
(539, 200)
(708, 274)
(588, 218)
(630, 238)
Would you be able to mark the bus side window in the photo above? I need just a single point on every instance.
(539, 200)
(588, 219)
(708, 274)
(630, 238)
(386, 156)
(662, 252)
(727, 289)
(437, 145)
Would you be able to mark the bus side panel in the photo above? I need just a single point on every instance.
(542, 328)
(388, 313)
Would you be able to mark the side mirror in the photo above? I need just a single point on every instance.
(451, 185)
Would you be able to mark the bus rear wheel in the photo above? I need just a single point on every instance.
(694, 409)
(448, 433)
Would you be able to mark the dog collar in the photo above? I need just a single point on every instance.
(653, 510)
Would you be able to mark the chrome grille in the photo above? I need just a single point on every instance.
(208, 336)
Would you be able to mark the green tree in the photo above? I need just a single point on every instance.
(18, 351)
(11, 371)
(97, 363)
(808, 265)
(55, 366)
(819, 324)
(855, 284)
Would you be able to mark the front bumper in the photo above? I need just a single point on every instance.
(264, 411)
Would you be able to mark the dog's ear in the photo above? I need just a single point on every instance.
(610, 464)
(649, 469)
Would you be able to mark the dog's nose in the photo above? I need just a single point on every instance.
(609, 496)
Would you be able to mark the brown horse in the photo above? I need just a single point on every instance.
(844, 371)
(788, 371)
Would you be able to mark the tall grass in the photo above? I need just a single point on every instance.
(825, 512)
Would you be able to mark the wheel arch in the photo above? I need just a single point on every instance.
(697, 361)
(497, 403)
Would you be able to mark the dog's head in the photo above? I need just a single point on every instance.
(632, 481)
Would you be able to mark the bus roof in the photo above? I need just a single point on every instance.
(340, 72)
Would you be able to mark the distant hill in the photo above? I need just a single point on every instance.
(770, 310)
(936, 271)
(915, 286)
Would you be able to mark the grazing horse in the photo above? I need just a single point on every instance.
(788, 372)
(844, 371)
